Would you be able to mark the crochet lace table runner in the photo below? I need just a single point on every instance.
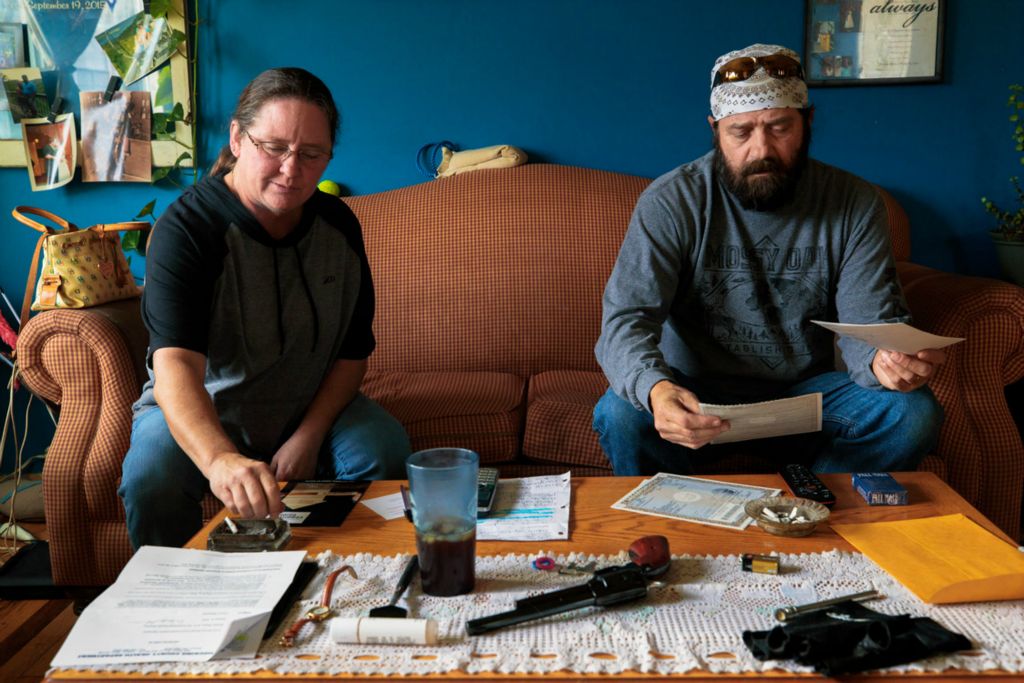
(691, 621)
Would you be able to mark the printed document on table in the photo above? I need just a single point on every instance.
(181, 605)
(891, 336)
(796, 415)
(692, 499)
(528, 509)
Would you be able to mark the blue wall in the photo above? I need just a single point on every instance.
(613, 84)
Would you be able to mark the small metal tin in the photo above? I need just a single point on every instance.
(760, 564)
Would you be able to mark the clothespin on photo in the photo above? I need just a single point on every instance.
(56, 109)
(113, 85)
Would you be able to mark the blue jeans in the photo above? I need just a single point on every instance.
(862, 430)
(162, 489)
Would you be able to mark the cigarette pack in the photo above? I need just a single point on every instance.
(879, 488)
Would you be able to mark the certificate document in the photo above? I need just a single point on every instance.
(692, 499)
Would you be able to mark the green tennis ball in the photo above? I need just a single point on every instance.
(330, 187)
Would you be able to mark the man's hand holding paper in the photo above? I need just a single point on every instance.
(907, 357)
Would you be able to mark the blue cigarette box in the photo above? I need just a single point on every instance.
(879, 488)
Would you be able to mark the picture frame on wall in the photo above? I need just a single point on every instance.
(13, 52)
(873, 42)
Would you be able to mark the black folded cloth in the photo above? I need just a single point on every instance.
(849, 637)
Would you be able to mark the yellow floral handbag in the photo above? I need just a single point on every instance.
(80, 268)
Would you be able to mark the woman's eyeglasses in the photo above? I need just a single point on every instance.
(742, 68)
(279, 152)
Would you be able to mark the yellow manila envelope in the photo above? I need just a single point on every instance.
(942, 559)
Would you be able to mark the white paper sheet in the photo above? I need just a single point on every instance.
(390, 506)
(528, 509)
(797, 415)
(693, 499)
(181, 605)
(891, 336)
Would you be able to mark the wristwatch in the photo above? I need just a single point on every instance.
(319, 612)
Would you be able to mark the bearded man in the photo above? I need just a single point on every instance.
(726, 262)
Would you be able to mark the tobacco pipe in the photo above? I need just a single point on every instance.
(610, 586)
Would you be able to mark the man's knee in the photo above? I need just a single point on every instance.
(920, 417)
(615, 414)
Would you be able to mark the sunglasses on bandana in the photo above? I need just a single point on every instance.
(742, 68)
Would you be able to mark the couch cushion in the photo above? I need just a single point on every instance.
(559, 417)
(481, 411)
(496, 270)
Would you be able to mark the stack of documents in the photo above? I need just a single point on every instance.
(180, 605)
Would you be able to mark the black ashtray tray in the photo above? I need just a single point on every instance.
(252, 535)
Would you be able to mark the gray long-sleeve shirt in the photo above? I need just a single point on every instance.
(725, 295)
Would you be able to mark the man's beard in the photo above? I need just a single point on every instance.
(767, 192)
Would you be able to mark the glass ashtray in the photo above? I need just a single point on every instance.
(249, 535)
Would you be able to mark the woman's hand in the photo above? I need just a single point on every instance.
(247, 487)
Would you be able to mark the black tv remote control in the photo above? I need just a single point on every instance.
(805, 484)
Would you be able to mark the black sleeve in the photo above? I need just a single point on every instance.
(359, 341)
(184, 258)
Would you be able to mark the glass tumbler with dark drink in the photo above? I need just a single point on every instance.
(443, 488)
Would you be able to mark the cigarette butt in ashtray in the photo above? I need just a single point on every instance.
(381, 631)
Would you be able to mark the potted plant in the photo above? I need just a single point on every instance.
(1008, 237)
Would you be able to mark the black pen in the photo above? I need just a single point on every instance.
(405, 501)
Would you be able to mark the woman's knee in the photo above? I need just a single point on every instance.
(367, 442)
(155, 468)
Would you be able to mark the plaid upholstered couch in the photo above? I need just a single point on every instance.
(488, 306)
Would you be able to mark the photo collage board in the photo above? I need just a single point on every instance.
(99, 72)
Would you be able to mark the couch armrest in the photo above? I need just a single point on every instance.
(980, 442)
(89, 363)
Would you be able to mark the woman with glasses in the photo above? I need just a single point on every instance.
(259, 304)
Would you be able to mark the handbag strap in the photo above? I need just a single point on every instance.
(19, 214)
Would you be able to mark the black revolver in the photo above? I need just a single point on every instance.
(610, 586)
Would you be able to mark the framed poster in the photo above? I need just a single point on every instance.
(872, 42)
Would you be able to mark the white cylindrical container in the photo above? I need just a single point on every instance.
(380, 631)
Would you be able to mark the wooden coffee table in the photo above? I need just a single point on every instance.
(596, 528)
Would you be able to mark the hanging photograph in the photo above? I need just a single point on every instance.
(116, 137)
(26, 97)
(51, 150)
(12, 46)
(871, 42)
(139, 44)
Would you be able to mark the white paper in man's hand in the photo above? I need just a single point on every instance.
(797, 415)
(891, 336)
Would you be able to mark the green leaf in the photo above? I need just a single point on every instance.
(130, 240)
(147, 210)
(160, 8)
(178, 113)
(159, 174)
